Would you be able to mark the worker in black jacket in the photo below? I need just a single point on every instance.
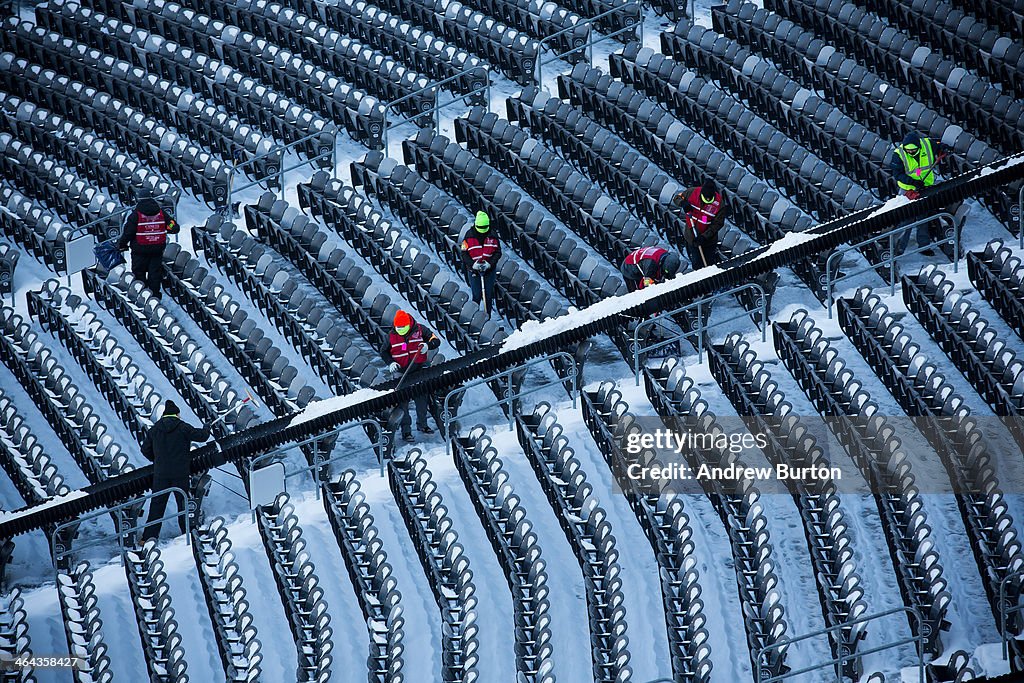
(168, 445)
(145, 231)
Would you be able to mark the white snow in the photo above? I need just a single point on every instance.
(45, 505)
(329, 405)
(897, 201)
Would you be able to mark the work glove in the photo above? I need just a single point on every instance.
(479, 266)
(433, 342)
(646, 282)
(913, 194)
(394, 368)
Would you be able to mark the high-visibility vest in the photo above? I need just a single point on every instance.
(480, 249)
(151, 230)
(652, 255)
(920, 166)
(700, 214)
(405, 350)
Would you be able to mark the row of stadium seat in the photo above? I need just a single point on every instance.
(441, 221)
(178, 157)
(969, 340)
(667, 527)
(79, 606)
(588, 532)
(967, 456)
(511, 534)
(68, 317)
(84, 150)
(251, 101)
(23, 458)
(158, 97)
(237, 335)
(996, 12)
(998, 276)
(35, 227)
(444, 562)
(298, 587)
(225, 596)
(61, 402)
(362, 66)
(570, 196)
(330, 270)
(608, 162)
(160, 334)
(564, 30)
(807, 118)
(375, 585)
(510, 50)
(962, 36)
(413, 45)
(962, 95)
(754, 394)
(308, 325)
(151, 600)
(47, 179)
(362, 115)
(872, 100)
(676, 397)
(799, 172)
(878, 453)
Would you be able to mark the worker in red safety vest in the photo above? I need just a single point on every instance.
(648, 266)
(481, 251)
(704, 215)
(406, 352)
(145, 231)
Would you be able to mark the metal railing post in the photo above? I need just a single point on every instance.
(892, 262)
(588, 47)
(509, 395)
(763, 676)
(1020, 217)
(58, 551)
(701, 326)
(1006, 610)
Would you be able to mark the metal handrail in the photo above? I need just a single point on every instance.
(1004, 613)
(589, 45)
(889, 235)
(701, 327)
(1020, 217)
(282, 170)
(319, 463)
(923, 633)
(58, 551)
(572, 375)
(436, 109)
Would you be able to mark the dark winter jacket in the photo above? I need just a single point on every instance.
(168, 445)
(148, 207)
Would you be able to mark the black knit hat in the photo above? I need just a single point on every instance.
(708, 189)
(171, 408)
(148, 206)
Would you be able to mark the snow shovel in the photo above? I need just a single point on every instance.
(238, 406)
(408, 367)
